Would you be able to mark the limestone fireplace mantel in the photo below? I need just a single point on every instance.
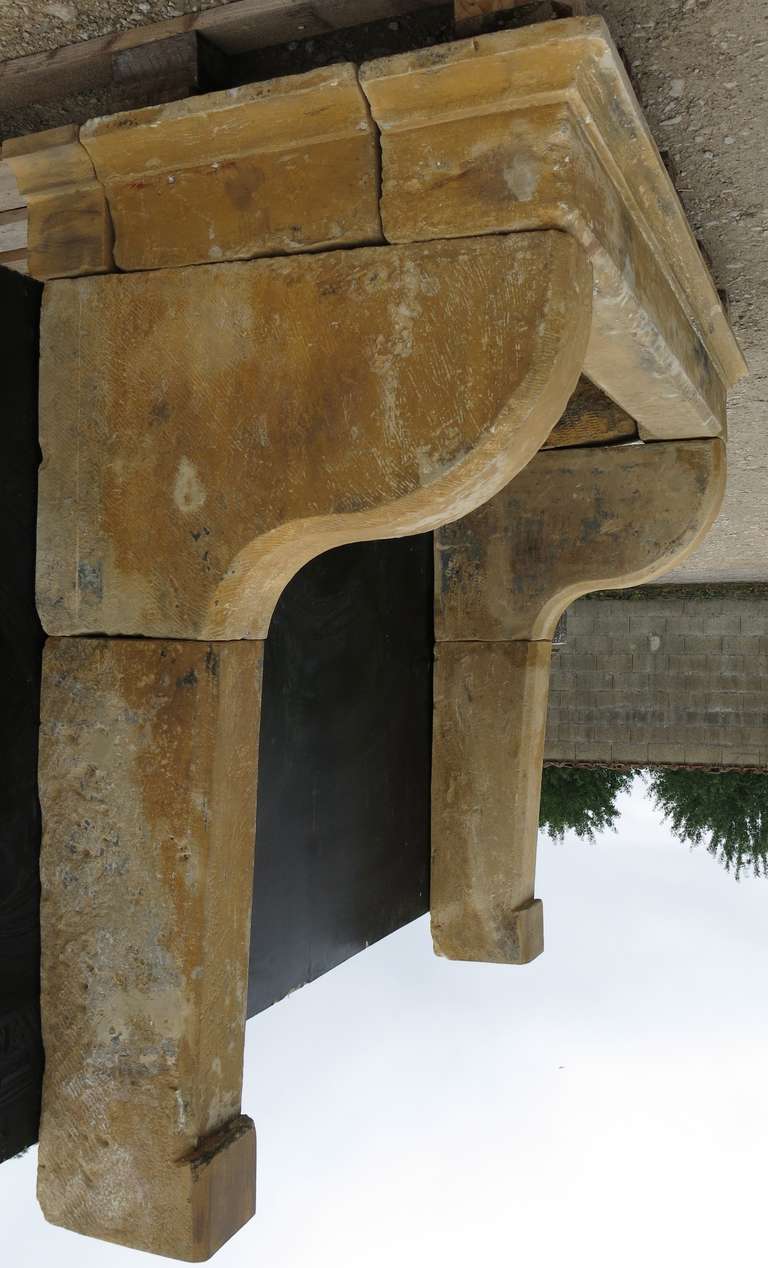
(340, 306)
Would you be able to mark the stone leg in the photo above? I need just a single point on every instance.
(490, 715)
(575, 520)
(148, 787)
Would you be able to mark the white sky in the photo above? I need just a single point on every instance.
(605, 1106)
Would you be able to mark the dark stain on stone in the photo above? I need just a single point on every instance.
(89, 579)
(160, 411)
(189, 679)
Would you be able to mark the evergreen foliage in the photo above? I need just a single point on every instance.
(580, 799)
(727, 811)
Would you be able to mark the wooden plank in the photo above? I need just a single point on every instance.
(237, 27)
(13, 230)
(16, 260)
(591, 418)
(9, 190)
(167, 70)
(472, 16)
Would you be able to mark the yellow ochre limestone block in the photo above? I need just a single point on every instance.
(148, 764)
(527, 129)
(574, 520)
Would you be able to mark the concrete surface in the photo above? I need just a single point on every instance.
(672, 678)
(701, 69)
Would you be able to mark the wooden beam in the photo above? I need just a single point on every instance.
(16, 260)
(236, 27)
(591, 418)
(13, 230)
(473, 16)
(167, 70)
(9, 190)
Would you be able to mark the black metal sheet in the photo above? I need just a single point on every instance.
(20, 651)
(342, 840)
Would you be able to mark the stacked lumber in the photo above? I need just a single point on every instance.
(13, 223)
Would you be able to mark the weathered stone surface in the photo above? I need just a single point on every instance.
(539, 127)
(488, 749)
(148, 791)
(282, 166)
(573, 521)
(339, 397)
(69, 228)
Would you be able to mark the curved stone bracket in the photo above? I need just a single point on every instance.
(574, 521)
(261, 413)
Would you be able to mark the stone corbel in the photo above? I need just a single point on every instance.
(575, 520)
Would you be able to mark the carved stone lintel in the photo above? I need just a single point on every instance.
(575, 520)
(271, 168)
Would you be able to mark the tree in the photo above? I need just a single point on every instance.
(580, 799)
(726, 810)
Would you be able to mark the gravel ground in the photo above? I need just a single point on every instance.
(701, 69)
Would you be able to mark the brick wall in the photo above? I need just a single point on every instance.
(662, 678)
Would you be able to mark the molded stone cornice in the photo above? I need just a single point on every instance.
(269, 169)
(539, 127)
(520, 130)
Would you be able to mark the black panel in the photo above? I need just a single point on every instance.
(342, 841)
(20, 649)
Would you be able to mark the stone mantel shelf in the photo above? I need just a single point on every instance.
(518, 130)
